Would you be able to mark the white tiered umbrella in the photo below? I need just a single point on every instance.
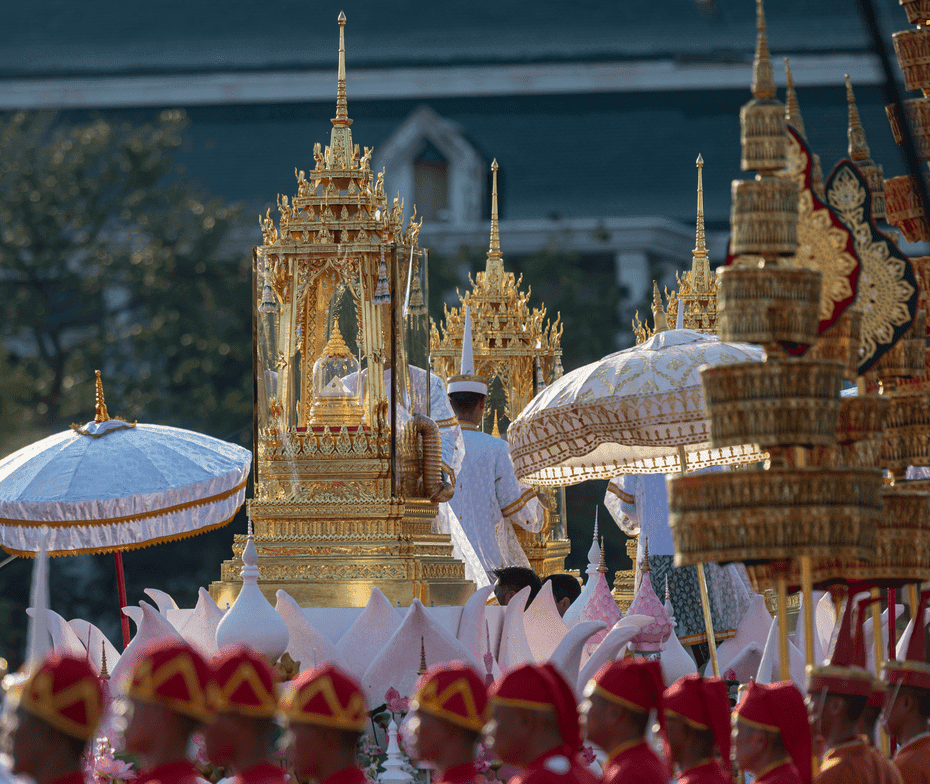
(111, 486)
(630, 412)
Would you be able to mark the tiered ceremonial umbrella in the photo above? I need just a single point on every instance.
(640, 410)
(111, 486)
(819, 502)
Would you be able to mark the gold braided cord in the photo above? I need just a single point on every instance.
(128, 518)
(125, 547)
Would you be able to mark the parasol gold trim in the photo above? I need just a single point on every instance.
(126, 547)
(129, 518)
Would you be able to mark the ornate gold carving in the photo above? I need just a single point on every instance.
(860, 154)
(907, 432)
(515, 348)
(904, 209)
(792, 401)
(764, 216)
(887, 293)
(824, 243)
(765, 515)
(697, 288)
(769, 305)
(325, 507)
(913, 50)
(840, 343)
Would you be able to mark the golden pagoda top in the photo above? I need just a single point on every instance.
(860, 154)
(763, 76)
(509, 336)
(336, 345)
(762, 120)
(697, 288)
(340, 201)
(794, 120)
(792, 108)
(495, 264)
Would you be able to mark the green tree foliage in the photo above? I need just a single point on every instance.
(111, 259)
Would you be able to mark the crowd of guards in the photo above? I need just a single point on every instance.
(529, 721)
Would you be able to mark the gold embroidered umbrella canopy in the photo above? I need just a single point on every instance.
(111, 486)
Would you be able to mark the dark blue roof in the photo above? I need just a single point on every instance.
(63, 36)
(572, 156)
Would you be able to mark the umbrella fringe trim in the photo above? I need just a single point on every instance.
(129, 518)
(127, 547)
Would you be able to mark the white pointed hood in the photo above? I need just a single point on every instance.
(467, 380)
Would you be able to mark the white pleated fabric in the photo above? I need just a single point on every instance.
(489, 501)
(627, 413)
(111, 486)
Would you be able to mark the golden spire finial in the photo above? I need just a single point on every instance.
(644, 567)
(602, 563)
(496, 431)
(342, 107)
(792, 107)
(763, 77)
(658, 312)
(494, 250)
(700, 248)
(858, 148)
(336, 345)
(860, 154)
(423, 667)
(104, 673)
(101, 415)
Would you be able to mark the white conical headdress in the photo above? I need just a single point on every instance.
(467, 380)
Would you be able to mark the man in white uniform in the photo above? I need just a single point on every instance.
(488, 497)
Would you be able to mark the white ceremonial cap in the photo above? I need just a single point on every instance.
(467, 380)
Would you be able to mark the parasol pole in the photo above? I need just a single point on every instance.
(807, 591)
(781, 586)
(702, 584)
(913, 599)
(892, 612)
(876, 593)
(121, 588)
(102, 415)
(877, 635)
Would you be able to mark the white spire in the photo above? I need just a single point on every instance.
(668, 600)
(467, 365)
(467, 380)
(767, 665)
(594, 554)
(252, 621)
(393, 769)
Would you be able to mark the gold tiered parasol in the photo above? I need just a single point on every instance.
(787, 405)
(640, 410)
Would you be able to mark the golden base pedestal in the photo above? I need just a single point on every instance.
(336, 562)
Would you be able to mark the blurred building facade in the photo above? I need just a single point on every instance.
(595, 111)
